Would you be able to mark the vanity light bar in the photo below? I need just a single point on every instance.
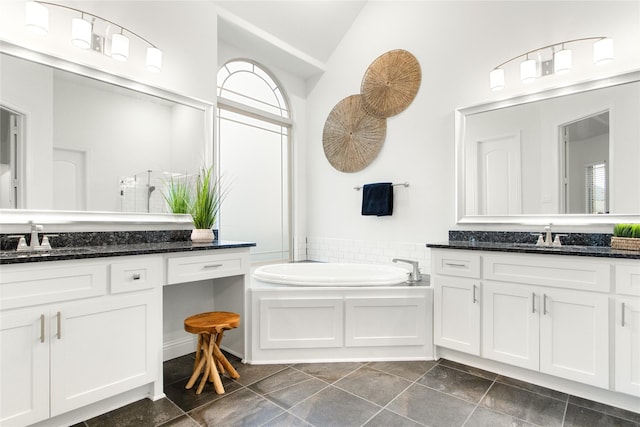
(561, 60)
(37, 21)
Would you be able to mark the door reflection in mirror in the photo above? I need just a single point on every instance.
(10, 158)
(585, 148)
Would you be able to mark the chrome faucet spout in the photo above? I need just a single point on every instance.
(548, 241)
(415, 275)
(35, 239)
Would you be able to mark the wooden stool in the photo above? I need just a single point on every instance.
(210, 327)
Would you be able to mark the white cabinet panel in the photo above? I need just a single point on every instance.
(456, 263)
(184, 269)
(301, 323)
(24, 363)
(28, 285)
(135, 274)
(628, 279)
(627, 348)
(385, 321)
(579, 273)
(510, 324)
(99, 349)
(574, 331)
(457, 313)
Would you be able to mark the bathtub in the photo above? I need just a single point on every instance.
(330, 274)
(337, 312)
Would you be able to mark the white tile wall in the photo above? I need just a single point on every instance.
(366, 251)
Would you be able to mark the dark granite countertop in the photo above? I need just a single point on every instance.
(530, 248)
(102, 251)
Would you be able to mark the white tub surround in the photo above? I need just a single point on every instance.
(341, 317)
(562, 321)
(84, 332)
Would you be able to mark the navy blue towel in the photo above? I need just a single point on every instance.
(377, 199)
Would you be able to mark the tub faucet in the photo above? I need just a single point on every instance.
(414, 276)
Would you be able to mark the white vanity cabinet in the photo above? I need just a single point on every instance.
(557, 332)
(548, 313)
(627, 328)
(75, 332)
(456, 292)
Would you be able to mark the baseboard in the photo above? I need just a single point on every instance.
(177, 348)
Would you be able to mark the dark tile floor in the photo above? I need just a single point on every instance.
(370, 394)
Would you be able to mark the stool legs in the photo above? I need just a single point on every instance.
(209, 357)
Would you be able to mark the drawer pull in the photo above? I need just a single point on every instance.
(455, 264)
(623, 315)
(544, 304)
(474, 294)
(136, 276)
(59, 323)
(213, 266)
(533, 302)
(42, 328)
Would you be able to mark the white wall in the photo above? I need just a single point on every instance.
(457, 44)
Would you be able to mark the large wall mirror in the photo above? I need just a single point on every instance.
(567, 155)
(77, 139)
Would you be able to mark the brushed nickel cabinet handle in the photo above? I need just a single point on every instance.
(474, 294)
(136, 276)
(533, 302)
(544, 304)
(213, 266)
(623, 314)
(455, 264)
(59, 322)
(42, 328)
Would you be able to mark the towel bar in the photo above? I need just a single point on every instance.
(404, 184)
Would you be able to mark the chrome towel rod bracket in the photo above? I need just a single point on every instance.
(404, 184)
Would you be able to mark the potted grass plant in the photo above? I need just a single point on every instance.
(178, 195)
(626, 236)
(207, 198)
(201, 198)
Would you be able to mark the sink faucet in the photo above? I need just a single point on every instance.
(414, 276)
(548, 240)
(34, 244)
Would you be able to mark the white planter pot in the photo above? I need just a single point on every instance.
(202, 236)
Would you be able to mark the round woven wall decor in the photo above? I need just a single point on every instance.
(390, 83)
(352, 138)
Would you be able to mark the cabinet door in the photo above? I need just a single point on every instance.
(627, 349)
(510, 324)
(574, 336)
(24, 363)
(457, 313)
(100, 348)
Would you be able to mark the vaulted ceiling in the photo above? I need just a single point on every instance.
(299, 35)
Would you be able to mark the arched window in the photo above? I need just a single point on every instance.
(253, 156)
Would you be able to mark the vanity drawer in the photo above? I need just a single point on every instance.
(134, 274)
(628, 279)
(583, 273)
(201, 267)
(456, 263)
(42, 283)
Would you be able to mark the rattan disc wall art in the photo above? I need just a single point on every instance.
(355, 129)
(390, 83)
(351, 137)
